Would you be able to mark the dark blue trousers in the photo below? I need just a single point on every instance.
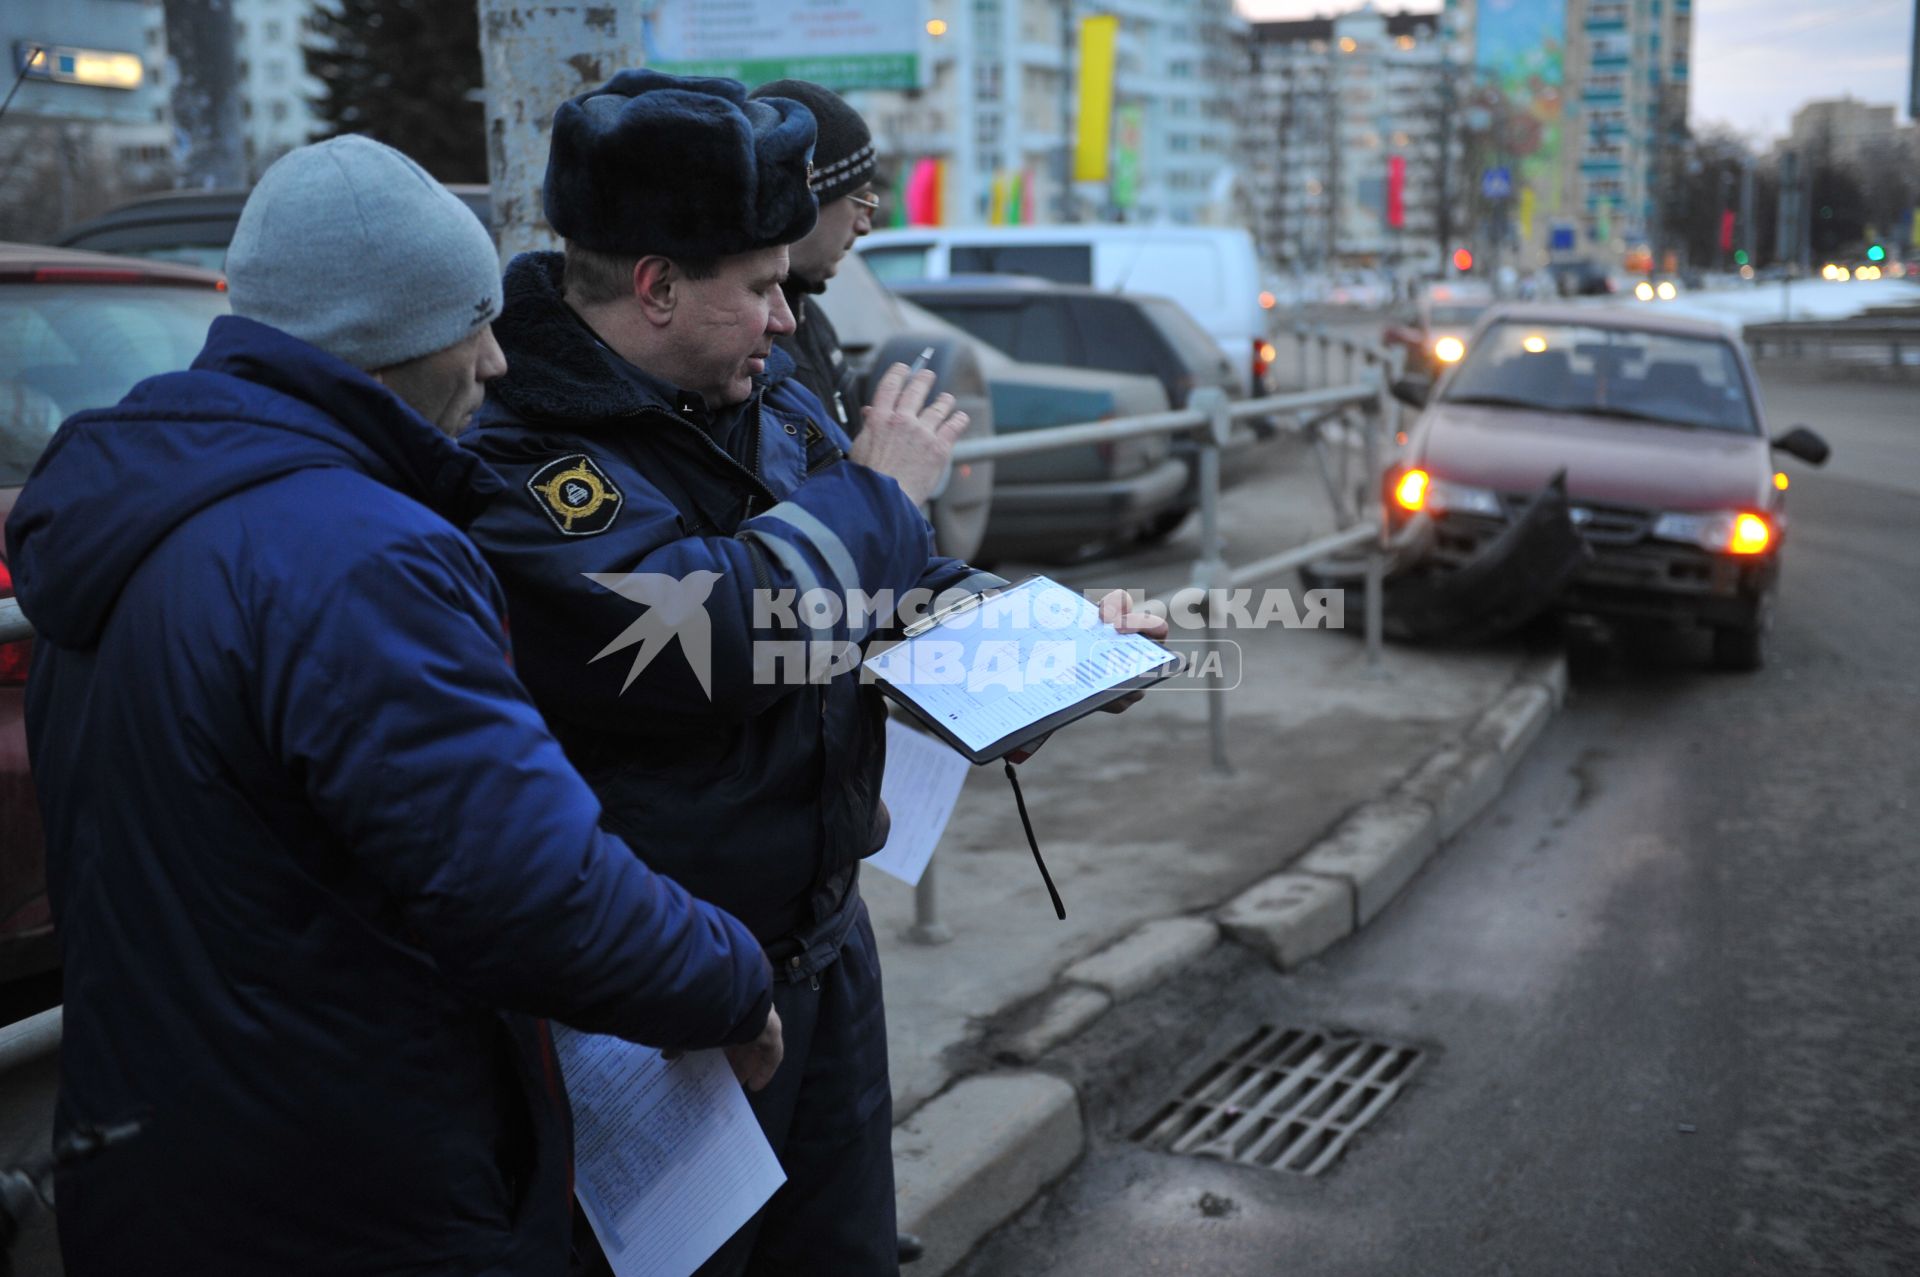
(829, 1115)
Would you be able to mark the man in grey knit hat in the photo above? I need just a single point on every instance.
(319, 868)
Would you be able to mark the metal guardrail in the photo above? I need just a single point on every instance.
(1870, 337)
(1209, 421)
(14, 625)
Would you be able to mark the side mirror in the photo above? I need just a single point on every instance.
(1413, 391)
(1805, 444)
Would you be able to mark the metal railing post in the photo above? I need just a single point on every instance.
(1326, 357)
(1300, 354)
(1211, 573)
(927, 927)
(1374, 501)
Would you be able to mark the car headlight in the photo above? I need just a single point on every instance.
(1449, 350)
(1724, 531)
(1643, 290)
(1447, 497)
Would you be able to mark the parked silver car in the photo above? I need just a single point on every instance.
(1050, 505)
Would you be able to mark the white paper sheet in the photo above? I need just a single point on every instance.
(922, 782)
(1020, 656)
(668, 1159)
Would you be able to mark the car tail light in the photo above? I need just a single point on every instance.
(13, 656)
(1410, 490)
(1263, 353)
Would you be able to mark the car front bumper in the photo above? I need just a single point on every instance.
(1646, 580)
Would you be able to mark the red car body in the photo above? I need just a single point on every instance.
(77, 330)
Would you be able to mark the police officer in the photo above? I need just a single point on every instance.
(670, 484)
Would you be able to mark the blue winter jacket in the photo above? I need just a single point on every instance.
(752, 792)
(314, 858)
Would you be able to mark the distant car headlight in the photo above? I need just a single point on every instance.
(1643, 290)
(1449, 350)
(1447, 497)
(1667, 291)
(1723, 531)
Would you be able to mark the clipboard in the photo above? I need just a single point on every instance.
(1105, 667)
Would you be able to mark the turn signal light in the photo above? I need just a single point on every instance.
(1780, 480)
(1751, 535)
(1411, 492)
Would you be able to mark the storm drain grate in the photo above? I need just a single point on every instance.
(1285, 1099)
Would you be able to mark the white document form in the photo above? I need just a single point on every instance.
(669, 1161)
(1012, 661)
(921, 785)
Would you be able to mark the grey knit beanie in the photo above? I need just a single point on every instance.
(350, 246)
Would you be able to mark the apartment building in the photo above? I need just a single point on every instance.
(1000, 101)
(276, 93)
(1632, 96)
(1352, 137)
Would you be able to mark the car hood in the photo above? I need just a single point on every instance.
(1613, 462)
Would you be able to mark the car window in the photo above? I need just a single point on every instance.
(1196, 348)
(897, 263)
(1061, 263)
(68, 347)
(1455, 315)
(1662, 377)
(1031, 329)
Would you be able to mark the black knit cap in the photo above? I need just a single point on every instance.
(682, 166)
(843, 154)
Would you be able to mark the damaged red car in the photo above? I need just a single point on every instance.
(1637, 441)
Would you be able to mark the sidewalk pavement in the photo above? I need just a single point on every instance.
(1346, 780)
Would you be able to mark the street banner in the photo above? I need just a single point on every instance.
(1099, 36)
(849, 44)
(1130, 131)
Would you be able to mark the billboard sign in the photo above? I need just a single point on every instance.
(1522, 55)
(843, 44)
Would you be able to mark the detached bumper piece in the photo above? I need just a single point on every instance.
(1515, 577)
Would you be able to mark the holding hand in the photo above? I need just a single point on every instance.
(754, 1062)
(905, 437)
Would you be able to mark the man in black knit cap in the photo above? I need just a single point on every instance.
(843, 171)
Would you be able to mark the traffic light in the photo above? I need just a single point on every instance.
(1740, 257)
(1876, 254)
(1463, 260)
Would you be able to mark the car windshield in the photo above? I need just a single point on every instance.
(1665, 378)
(68, 347)
(1456, 314)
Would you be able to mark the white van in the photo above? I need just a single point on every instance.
(1211, 270)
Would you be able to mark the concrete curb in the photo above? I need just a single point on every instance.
(1000, 1138)
(973, 1156)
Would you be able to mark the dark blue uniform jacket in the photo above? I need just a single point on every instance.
(315, 859)
(753, 793)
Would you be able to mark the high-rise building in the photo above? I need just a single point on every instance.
(1847, 132)
(1632, 97)
(1352, 137)
(1001, 103)
(276, 93)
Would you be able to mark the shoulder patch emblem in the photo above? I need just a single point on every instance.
(576, 494)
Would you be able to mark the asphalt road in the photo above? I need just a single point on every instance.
(1668, 987)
